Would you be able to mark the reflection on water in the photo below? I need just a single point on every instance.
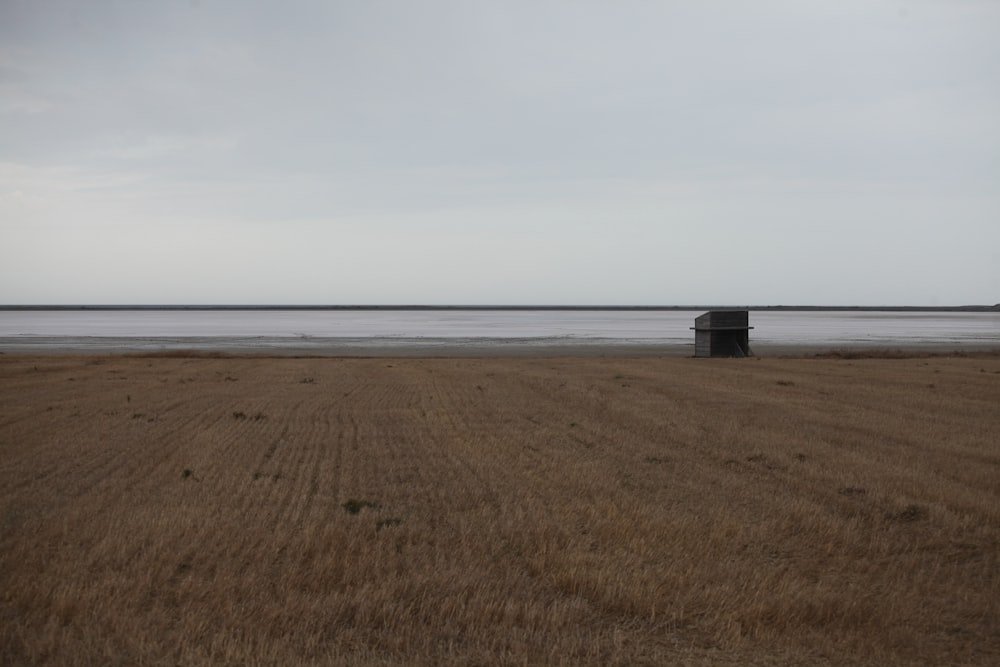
(385, 328)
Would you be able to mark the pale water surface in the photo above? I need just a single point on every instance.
(328, 330)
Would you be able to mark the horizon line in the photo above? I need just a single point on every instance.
(499, 307)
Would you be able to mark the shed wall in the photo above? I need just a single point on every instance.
(702, 343)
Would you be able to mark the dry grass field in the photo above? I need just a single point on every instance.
(599, 510)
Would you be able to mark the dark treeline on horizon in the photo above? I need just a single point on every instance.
(459, 307)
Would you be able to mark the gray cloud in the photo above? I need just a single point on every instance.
(499, 152)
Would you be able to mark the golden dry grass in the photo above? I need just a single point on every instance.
(545, 511)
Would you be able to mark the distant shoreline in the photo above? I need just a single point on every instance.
(594, 308)
(457, 349)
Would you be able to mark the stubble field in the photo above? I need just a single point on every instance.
(192, 510)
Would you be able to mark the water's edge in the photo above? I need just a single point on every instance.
(443, 347)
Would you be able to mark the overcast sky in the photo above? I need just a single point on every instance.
(505, 152)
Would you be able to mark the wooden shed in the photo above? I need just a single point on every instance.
(722, 333)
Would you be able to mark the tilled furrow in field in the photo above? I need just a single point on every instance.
(472, 511)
